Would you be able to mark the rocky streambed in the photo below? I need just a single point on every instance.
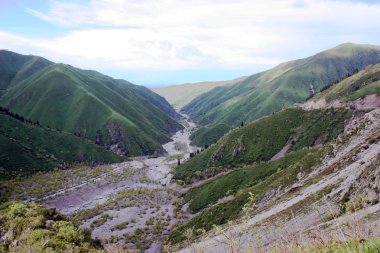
(133, 205)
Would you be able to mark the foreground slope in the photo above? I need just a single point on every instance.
(180, 95)
(35, 228)
(288, 83)
(325, 193)
(326, 196)
(26, 148)
(126, 118)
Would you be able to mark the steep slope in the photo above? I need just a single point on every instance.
(288, 83)
(208, 135)
(180, 95)
(15, 68)
(26, 148)
(324, 191)
(263, 139)
(318, 186)
(126, 118)
(365, 82)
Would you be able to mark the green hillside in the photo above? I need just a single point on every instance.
(126, 118)
(15, 67)
(244, 185)
(223, 198)
(264, 138)
(26, 148)
(207, 135)
(363, 83)
(180, 95)
(282, 86)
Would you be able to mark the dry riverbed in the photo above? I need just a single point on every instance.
(131, 205)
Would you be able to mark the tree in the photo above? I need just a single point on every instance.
(179, 162)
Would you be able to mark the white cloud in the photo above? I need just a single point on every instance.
(183, 34)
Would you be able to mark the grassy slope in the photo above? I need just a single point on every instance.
(15, 67)
(257, 180)
(92, 104)
(208, 135)
(262, 139)
(181, 94)
(363, 83)
(25, 148)
(288, 83)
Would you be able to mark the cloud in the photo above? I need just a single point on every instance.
(190, 34)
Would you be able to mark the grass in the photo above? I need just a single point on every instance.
(120, 226)
(18, 67)
(174, 157)
(356, 86)
(36, 228)
(262, 139)
(232, 183)
(97, 107)
(265, 178)
(288, 83)
(26, 149)
(208, 135)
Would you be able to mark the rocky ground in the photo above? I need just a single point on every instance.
(135, 209)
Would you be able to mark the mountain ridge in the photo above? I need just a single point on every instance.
(126, 118)
(269, 91)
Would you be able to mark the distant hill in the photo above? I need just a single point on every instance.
(288, 83)
(26, 148)
(126, 118)
(180, 95)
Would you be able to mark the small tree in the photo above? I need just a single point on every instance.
(179, 162)
(242, 124)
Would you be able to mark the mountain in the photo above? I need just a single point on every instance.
(180, 95)
(288, 83)
(26, 147)
(15, 68)
(126, 118)
(287, 175)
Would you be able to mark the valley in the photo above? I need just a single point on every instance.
(134, 203)
(93, 164)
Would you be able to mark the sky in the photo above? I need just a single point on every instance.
(163, 42)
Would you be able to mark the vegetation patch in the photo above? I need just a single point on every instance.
(35, 228)
(262, 139)
(27, 148)
(282, 173)
(208, 135)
